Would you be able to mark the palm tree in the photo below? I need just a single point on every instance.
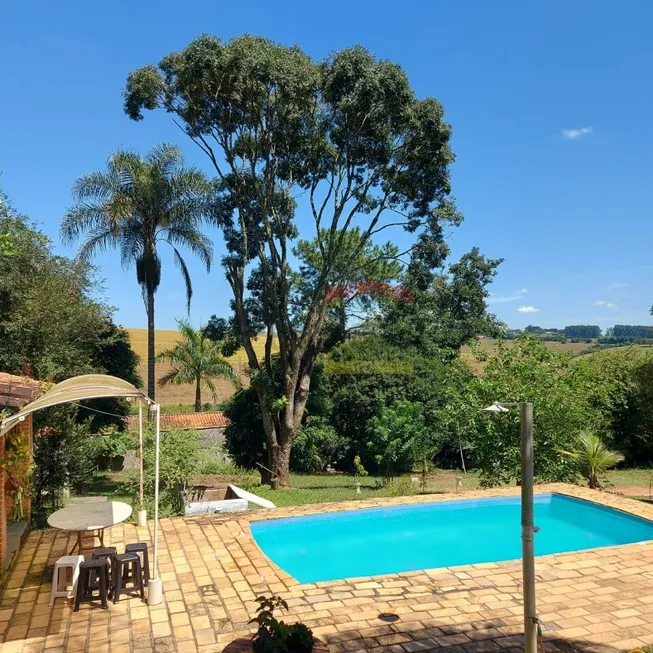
(593, 458)
(134, 206)
(195, 359)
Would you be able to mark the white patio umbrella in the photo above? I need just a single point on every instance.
(95, 386)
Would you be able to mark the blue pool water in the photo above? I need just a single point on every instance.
(424, 536)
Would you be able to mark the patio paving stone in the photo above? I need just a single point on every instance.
(599, 601)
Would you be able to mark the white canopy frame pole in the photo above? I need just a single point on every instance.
(142, 513)
(155, 585)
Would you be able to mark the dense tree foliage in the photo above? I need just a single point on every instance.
(245, 436)
(396, 437)
(318, 445)
(347, 133)
(51, 324)
(136, 205)
(562, 394)
(62, 456)
(582, 331)
(444, 311)
(360, 281)
(631, 331)
(623, 382)
(368, 374)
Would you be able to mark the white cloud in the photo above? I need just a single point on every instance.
(579, 132)
(603, 304)
(616, 285)
(528, 309)
(504, 299)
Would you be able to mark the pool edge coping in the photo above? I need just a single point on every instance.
(630, 506)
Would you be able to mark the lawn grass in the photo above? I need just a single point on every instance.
(106, 484)
(324, 488)
(637, 476)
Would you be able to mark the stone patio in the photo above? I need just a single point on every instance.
(596, 601)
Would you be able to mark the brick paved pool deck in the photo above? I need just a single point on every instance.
(598, 601)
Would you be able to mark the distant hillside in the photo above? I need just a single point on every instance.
(165, 339)
(490, 344)
(185, 394)
(574, 347)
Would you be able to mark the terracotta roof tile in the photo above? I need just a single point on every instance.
(214, 419)
(17, 391)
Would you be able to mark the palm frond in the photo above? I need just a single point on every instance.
(195, 357)
(80, 219)
(96, 241)
(169, 378)
(138, 202)
(179, 260)
(191, 238)
(166, 157)
(95, 186)
(592, 457)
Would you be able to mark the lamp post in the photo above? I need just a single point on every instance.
(527, 527)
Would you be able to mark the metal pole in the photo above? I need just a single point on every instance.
(140, 453)
(527, 528)
(156, 492)
(155, 584)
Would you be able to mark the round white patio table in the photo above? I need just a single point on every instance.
(88, 516)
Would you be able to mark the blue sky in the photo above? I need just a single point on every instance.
(551, 106)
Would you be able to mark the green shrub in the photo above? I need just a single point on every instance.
(244, 437)
(65, 455)
(393, 436)
(317, 446)
(179, 462)
(400, 487)
(563, 397)
(110, 443)
(274, 636)
(230, 473)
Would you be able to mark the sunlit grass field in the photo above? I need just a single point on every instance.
(182, 394)
(165, 339)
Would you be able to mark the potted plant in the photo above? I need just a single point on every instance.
(274, 636)
(359, 471)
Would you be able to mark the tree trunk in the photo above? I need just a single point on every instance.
(282, 464)
(151, 381)
(198, 396)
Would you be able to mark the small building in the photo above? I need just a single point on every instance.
(210, 424)
(15, 464)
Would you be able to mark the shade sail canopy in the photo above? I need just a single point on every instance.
(78, 388)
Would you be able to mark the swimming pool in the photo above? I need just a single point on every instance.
(374, 541)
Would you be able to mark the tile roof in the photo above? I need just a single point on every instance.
(17, 391)
(214, 419)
